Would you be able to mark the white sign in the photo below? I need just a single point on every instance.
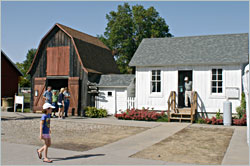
(18, 100)
(232, 93)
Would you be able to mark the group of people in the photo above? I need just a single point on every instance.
(59, 100)
(53, 101)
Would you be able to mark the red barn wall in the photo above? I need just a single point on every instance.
(9, 78)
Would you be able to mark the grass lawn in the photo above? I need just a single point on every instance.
(192, 145)
(24, 110)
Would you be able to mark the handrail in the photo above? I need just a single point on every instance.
(193, 104)
(171, 103)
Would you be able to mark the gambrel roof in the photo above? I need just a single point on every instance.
(194, 50)
(94, 56)
(116, 80)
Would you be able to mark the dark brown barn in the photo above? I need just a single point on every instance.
(69, 58)
(9, 77)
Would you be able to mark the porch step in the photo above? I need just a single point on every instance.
(177, 118)
(183, 110)
(185, 113)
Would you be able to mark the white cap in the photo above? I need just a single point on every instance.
(48, 105)
(186, 79)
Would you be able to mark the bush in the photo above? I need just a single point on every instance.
(93, 112)
(144, 114)
(201, 121)
(218, 116)
(213, 121)
(163, 118)
(241, 110)
(240, 122)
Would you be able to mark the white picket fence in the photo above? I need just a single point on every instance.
(131, 102)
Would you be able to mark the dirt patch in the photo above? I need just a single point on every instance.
(192, 145)
(77, 136)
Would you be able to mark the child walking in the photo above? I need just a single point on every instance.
(45, 132)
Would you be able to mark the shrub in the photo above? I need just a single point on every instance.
(218, 116)
(144, 114)
(93, 112)
(207, 120)
(240, 122)
(241, 110)
(201, 121)
(163, 118)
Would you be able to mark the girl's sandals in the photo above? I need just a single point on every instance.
(47, 161)
(39, 154)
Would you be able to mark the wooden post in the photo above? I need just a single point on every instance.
(174, 101)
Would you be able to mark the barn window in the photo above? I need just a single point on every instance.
(217, 81)
(109, 93)
(156, 81)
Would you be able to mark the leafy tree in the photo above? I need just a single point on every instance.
(127, 27)
(24, 67)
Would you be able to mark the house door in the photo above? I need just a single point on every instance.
(73, 85)
(181, 88)
(39, 88)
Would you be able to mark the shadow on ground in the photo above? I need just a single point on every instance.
(77, 157)
(19, 118)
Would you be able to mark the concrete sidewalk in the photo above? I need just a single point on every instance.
(119, 152)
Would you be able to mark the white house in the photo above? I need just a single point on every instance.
(214, 63)
(114, 92)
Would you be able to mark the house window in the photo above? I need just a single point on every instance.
(156, 81)
(217, 82)
(109, 93)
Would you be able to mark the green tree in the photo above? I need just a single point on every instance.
(24, 67)
(127, 27)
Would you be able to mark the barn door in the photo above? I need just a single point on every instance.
(73, 86)
(39, 88)
(58, 61)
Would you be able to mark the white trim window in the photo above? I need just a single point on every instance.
(217, 81)
(156, 81)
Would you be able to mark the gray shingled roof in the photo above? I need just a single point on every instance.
(210, 49)
(116, 80)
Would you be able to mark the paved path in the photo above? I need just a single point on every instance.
(119, 152)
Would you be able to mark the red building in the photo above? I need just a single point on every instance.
(9, 77)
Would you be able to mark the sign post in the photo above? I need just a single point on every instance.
(18, 100)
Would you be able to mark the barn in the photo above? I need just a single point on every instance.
(114, 92)
(214, 63)
(69, 58)
(9, 77)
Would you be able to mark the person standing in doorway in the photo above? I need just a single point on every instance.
(188, 90)
(54, 102)
(47, 95)
(66, 101)
(60, 103)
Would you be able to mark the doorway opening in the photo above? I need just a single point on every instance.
(181, 88)
(57, 84)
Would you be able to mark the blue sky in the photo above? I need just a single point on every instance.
(25, 23)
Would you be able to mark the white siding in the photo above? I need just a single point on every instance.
(116, 102)
(201, 83)
(121, 99)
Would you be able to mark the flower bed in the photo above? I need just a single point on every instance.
(214, 121)
(144, 114)
(240, 122)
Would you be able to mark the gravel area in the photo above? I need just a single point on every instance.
(69, 135)
(192, 145)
